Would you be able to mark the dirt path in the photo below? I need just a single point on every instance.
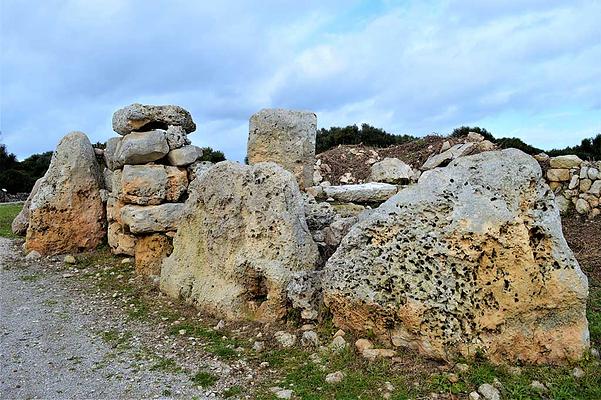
(58, 341)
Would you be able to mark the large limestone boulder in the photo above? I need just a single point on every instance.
(21, 222)
(391, 170)
(66, 213)
(243, 236)
(140, 148)
(139, 118)
(470, 259)
(150, 252)
(184, 155)
(442, 159)
(143, 184)
(565, 162)
(148, 219)
(287, 138)
(366, 193)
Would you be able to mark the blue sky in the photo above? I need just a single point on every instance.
(525, 68)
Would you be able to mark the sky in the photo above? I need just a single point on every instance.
(519, 68)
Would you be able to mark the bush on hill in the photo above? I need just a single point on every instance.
(352, 134)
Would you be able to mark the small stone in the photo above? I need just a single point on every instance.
(595, 353)
(264, 364)
(497, 383)
(69, 259)
(307, 327)
(474, 396)
(285, 339)
(281, 393)
(339, 332)
(310, 338)
(220, 325)
(453, 378)
(182, 331)
(33, 255)
(363, 344)
(373, 354)
(489, 392)
(389, 387)
(126, 260)
(536, 385)
(258, 346)
(338, 344)
(334, 377)
(578, 373)
(462, 367)
(68, 275)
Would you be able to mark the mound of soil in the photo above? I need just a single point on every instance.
(357, 159)
(584, 238)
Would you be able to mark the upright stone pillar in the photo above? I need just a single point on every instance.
(287, 138)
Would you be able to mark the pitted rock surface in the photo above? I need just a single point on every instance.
(239, 243)
(287, 138)
(472, 258)
(139, 117)
(66, 213)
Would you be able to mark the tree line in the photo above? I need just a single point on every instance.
(20, 176)
(588, 149)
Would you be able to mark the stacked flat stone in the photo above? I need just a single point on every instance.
(576, 183)
(148, 169)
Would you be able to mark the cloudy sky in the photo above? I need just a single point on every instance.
(525, 68)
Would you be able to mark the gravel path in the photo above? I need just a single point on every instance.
(52, 344)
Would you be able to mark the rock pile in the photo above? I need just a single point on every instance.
(148, 172)
(470, 259)
(576, 184)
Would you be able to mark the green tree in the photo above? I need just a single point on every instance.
(214, 156)
(352, 134)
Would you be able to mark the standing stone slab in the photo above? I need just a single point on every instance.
(243, 236)
(66, 213)
(286, 138)
(471, 259)
(140, 117)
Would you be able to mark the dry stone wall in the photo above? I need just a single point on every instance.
(147, 175)
(576, 184)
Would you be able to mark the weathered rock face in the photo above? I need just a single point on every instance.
(391, 170)
(286, 138)
(21, 222)
(184, 155)
(119, 241)
(372, 192)
(150, 252)
(140, 118)
(143, 184)
(161, 218)
(239, 243)
(471, 258)
(66, 213)
(140, 148)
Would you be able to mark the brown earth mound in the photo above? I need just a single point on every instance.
(358, 159)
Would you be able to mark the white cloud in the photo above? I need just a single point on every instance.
(414, 68)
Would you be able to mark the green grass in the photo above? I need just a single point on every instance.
(204, 379)
(8, 212)
(232, 391)
(165, 365)
(115, 338)
(30, 278)
(218, 343)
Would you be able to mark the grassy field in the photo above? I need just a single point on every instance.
(8, 212)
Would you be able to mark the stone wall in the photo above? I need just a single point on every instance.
(148, 170)
(576, 184)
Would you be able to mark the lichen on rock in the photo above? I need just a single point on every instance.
(470, 259)
(239, 243)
